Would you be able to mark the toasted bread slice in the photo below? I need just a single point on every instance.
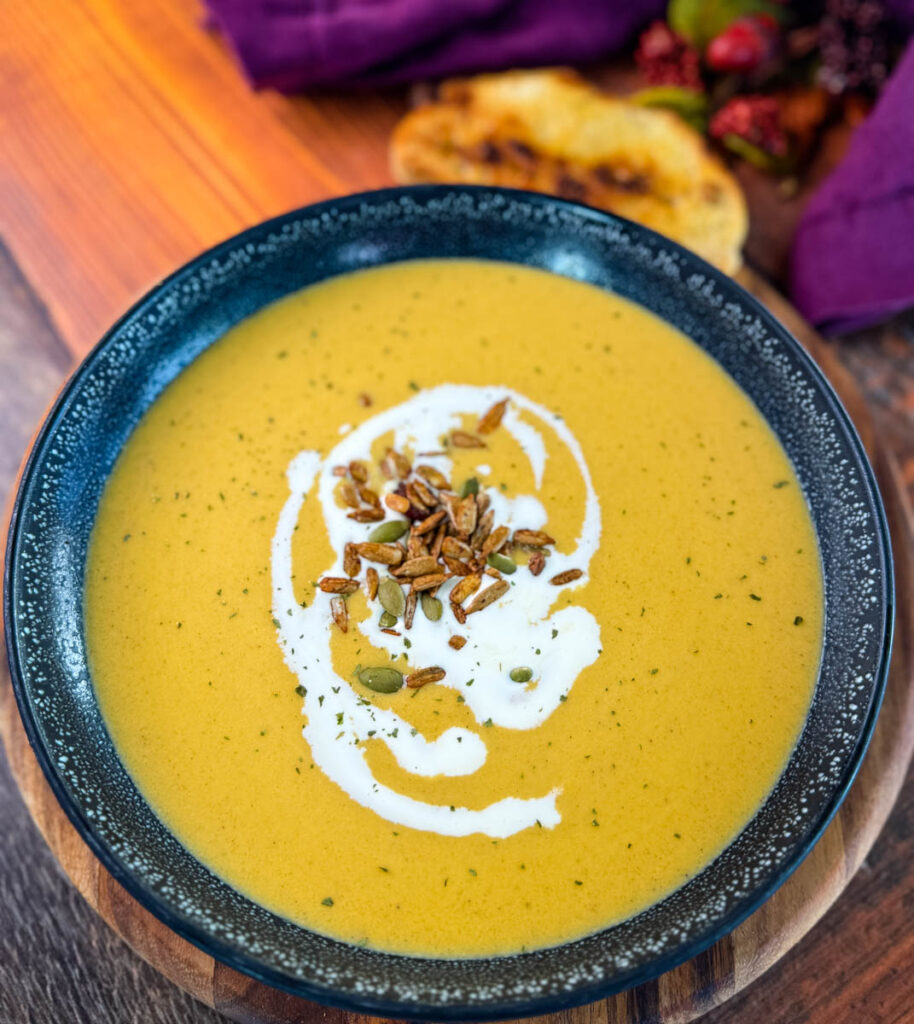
(551, 131)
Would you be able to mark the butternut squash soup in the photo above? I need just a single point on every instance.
(454, 608)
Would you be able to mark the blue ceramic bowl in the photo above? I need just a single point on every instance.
(111, 390)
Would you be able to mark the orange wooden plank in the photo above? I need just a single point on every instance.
(131, 142)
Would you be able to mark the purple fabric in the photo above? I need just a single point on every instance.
(292, 44)
(853, 253)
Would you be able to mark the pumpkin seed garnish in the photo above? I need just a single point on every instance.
(520, 675)
(431, 607)
(502, 563)
(387, 621)
(388, 532)
(391, 597)
(381, 680)
(470, 486)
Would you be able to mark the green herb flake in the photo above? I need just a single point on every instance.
(798, 621)
(327, 901)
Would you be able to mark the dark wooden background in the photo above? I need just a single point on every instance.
(128, 142)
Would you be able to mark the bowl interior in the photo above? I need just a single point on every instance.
(79, 443)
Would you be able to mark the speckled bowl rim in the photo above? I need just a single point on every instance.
(238, 958)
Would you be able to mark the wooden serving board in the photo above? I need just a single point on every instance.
(679, 996)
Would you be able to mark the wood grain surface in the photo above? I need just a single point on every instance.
(128, 142)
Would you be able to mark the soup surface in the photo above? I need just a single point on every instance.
(601, 720)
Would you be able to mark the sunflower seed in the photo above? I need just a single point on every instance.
(465, 587)
(424, 676)
(421, 566)
(430, 522)
(488, 596)
(366, 515)
(384, 554)
(462, 439)
(397, 502)
(433, 477)
(411, 601)
(338, 585)
(492, 418)
(351, 564)
(568, 576)
(339, 612)
(533, 538)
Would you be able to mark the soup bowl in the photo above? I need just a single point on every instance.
(76, 448)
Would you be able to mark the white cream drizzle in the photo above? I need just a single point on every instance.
(342, 718)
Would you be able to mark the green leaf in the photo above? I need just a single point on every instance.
(701, 20)
(758, 157)
(689, 104)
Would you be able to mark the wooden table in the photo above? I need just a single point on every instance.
(128, 142)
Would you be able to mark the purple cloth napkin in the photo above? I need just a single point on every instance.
(291, 44)
(853, 253)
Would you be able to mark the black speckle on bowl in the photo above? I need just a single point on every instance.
(77, 447)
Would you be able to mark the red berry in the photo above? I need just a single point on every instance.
(742, 45)
(666, 58)
(757, 119)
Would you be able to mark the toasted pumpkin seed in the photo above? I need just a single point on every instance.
(387, 621)
(392, 598)
(387, 532)
(470, 486)
(502, 563)
(520, 675)
(381, 680)
(431, 607)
